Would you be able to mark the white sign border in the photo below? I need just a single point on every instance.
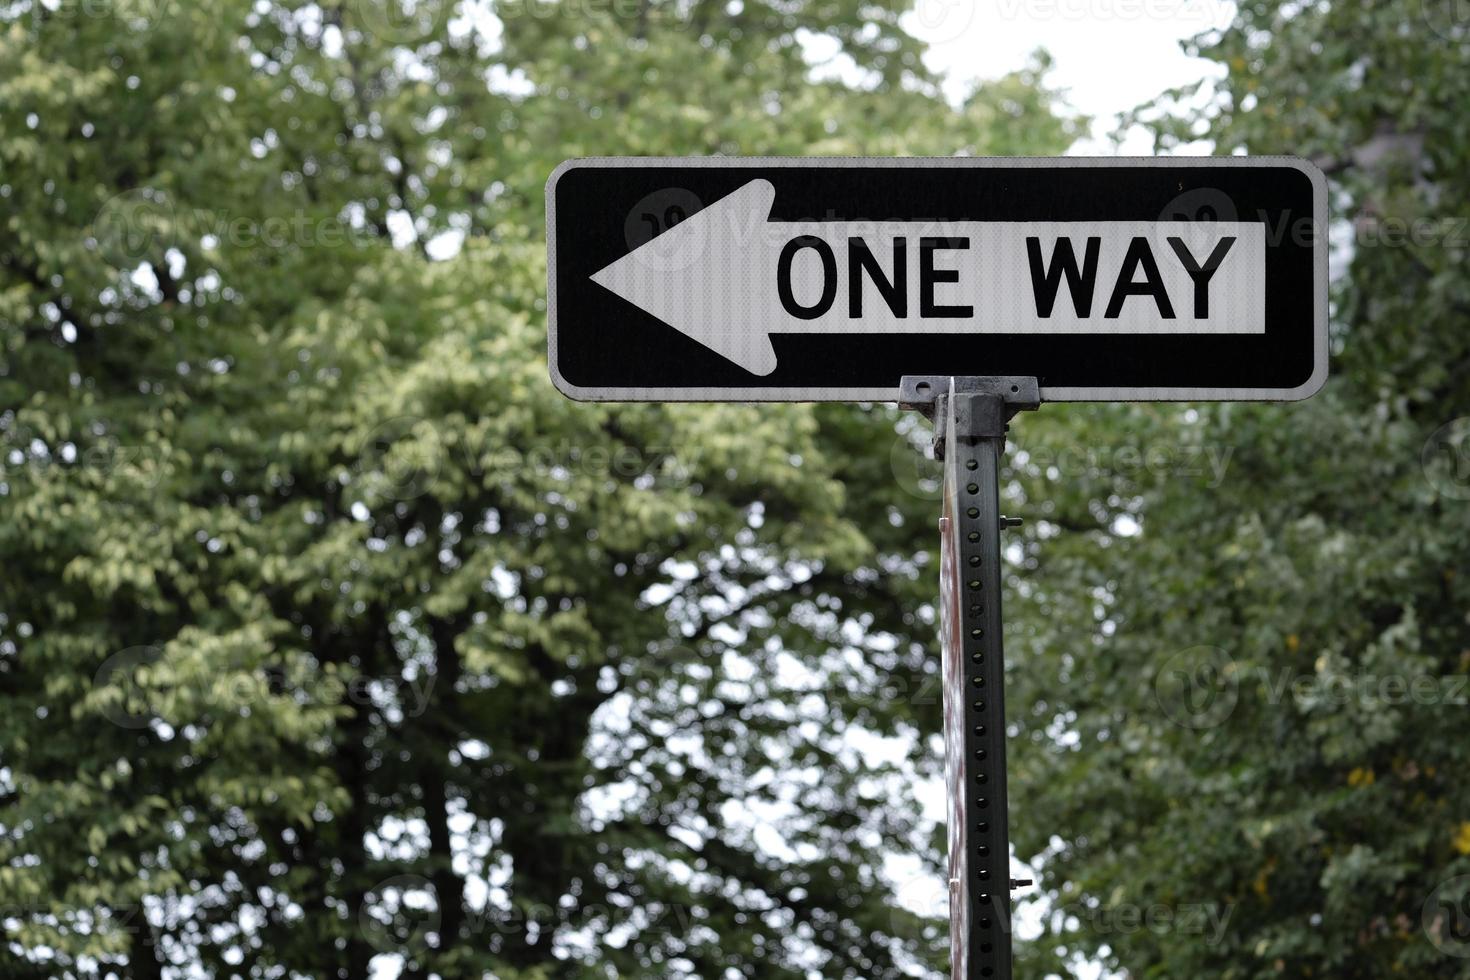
(1048, 394)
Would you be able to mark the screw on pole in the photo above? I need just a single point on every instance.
(970, 418)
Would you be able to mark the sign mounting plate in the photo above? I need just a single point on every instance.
(1107, 279)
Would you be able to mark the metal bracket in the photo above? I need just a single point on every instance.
(983, 406)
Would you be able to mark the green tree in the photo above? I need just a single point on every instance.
(1240, 689)
(328, 630)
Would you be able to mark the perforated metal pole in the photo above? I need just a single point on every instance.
(971, 417)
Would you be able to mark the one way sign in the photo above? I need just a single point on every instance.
(830, 280)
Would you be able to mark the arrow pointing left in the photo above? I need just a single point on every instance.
(716, 268)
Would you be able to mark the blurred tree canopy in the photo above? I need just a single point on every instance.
(1241, 636)
(331, 637)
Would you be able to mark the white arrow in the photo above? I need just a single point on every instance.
(729, 278)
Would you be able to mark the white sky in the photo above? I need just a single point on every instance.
(1110, 55)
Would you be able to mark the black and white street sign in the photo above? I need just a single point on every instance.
(830, 280)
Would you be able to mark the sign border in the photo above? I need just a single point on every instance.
(1048, 394)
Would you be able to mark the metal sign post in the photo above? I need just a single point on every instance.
(970, 420)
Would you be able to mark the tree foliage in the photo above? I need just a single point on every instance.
(1244, 686)
(331, 637)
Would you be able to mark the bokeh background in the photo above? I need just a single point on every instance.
(335, 643)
